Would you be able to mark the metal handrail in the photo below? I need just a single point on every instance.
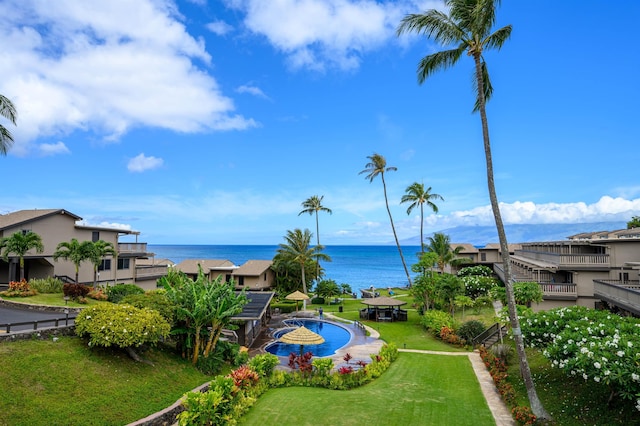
(55, 321)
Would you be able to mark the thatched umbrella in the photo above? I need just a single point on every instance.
(301, 336)
(297, 295)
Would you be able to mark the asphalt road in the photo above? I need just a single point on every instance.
(12, 315)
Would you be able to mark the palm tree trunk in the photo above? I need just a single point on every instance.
(393, 228)
(21, 268)
(304, 287)
(421, 230)
(536, 405)
(318, 243)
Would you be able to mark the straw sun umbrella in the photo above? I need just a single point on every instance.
(302, 336)
(297, 295)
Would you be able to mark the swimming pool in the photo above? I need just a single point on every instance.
(335, 337)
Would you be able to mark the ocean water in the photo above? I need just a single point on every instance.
(359, 266)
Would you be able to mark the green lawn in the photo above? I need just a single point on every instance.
(67, 383)
(52, 299)
(418, 389)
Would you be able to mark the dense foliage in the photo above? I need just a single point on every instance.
(76, 291)
(19, 289)
(596, 345)
(120, 325)
(116, 293)
(154, 299)
(46, 285)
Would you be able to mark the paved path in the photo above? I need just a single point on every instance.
(12, 315)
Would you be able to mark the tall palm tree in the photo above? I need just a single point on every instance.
(377, 166)
(418, 196)
(297, 248)
(19, 244)
(8, 111)
(313, 205)
(440, 245)
(468, 28)
(74, 251)
(98, 251)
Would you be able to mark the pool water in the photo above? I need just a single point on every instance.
(335, 337)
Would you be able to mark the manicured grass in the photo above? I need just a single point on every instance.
(572, 401)
(52, 299)
(67, 383)
(418, 389)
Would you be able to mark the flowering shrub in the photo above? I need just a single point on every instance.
(523, 415)
(448, 335)
(97, 294)
(347, 358)
(498, 370)
(346, 369)
(19, 289)
(120, 325)
(594, 345)
(303, 362)
(476, 286)
(478, 270)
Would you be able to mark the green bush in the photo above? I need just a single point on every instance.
(317, 301)
(154, 299)
(117, 292)
(471, 329)
(285, 308)
(46, 285)
(433, 320)
(120, 325)
(263, 364)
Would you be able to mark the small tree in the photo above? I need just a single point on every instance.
(74, 251)
(20, 243)
(327, 289)
(634, 222)
(97, 252)
(123, 326)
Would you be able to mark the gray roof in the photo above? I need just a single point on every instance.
(25, 216)
(253, 268)
(190, 266)
(258, 303)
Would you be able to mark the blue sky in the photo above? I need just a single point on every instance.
(210, 122)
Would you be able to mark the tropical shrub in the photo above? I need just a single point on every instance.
(328, 289)
(471, 329)
(285, 307)
(46, 285)
(449, 335)
(503, 352)
(263, 364)
(434, 320)
(478, 285)
(117, 292)
(122, 326)
(322, 366)
(478, 270)
(596, 345)
(153, 299)
(97, 294)
(76, 291)
(19, 289)
(213, 407)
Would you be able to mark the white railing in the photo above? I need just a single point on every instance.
(132, 247)
(618, 294)
(150, 271)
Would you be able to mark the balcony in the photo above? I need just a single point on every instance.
(623, 294)
(567, 260)
(559, 291)
(150, 272)
(132, 248)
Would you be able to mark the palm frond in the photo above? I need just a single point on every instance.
(498, 38)
(434, 24)
(7, 109)
(430, 64)
(6, 140)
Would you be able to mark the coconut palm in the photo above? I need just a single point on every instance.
(74, 251)
(297, 248)
(99, 250)
(377, 166)
(313, 205)
(8, 111)
(467, 28)
(440, 245)
(418, 196)
(19, 244)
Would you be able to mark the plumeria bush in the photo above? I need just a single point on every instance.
(122, 326)
(478, 285)
(595, 345)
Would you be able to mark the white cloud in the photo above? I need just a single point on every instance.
(219, 27)
(252, 90)
(47, 149)
(110, 225)
(316, 34)
(106, 67)
(142, 163)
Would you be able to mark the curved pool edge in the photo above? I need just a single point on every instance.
(343, 326)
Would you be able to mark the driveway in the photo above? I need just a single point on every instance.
(10, 315)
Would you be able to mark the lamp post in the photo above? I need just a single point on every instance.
(66, 312)
(66, 299)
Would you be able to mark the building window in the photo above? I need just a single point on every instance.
(265, 276)
(123, 263)
(95, 236)
(105, 265)
(240, 281)
(227, 278)
(483, 257)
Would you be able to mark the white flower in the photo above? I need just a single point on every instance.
(597, 379)
(635, 377)
(124, 330)
(597, 364)
(88, 317)
(630, 344)
(584, 376)
(620, 353)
